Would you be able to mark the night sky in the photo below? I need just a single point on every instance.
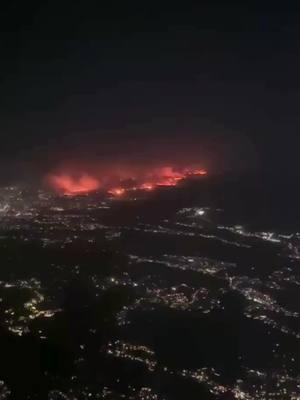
(80, 81)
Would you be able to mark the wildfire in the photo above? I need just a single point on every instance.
(147, 186)
(199, 172)
(117, 183)
(167, 176)
(118, 191)
(71, 186)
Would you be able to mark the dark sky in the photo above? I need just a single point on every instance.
(82, 80)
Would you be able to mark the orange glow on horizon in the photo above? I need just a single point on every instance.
(71, 186)
(118, 181)
(200, 172)
(147, 186)
(118, 191)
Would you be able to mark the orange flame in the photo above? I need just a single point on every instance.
(126, 180)
(71, 186)
(146, 186)
(118, 191)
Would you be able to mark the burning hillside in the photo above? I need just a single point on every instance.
(118, 181)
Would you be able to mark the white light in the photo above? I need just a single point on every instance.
(200, 212)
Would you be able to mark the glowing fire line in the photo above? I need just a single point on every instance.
(70, 185)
